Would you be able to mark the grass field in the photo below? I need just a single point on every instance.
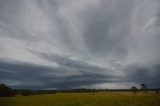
(84, 99)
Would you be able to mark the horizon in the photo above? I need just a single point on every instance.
(98, 44)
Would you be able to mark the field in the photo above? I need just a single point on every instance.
(84, 99)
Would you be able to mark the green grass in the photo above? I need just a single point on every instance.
(83, 99)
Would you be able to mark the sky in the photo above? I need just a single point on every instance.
(64, 44)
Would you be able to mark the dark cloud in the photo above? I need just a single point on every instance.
(144, 74)
(35, 76)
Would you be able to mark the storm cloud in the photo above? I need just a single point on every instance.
(58, 44)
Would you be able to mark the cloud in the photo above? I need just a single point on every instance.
(26, 75)
(144, 74)
(79, 43)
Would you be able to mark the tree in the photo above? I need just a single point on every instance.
(134, 90)
(144, 87)
(157, 91)
(5, 91)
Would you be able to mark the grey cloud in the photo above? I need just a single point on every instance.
(103, 31)
(90, 41)
(11, 23)
(61, 31)
(77, 65)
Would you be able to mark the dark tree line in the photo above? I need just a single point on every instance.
(24, 92)
(5, 91)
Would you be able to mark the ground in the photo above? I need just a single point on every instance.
(84, 99)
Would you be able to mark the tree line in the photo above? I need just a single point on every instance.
(6, 91)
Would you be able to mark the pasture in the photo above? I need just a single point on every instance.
(84, 99)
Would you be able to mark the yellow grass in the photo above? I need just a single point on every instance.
(84, 99)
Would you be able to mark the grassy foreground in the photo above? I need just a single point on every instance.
(83, 99)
